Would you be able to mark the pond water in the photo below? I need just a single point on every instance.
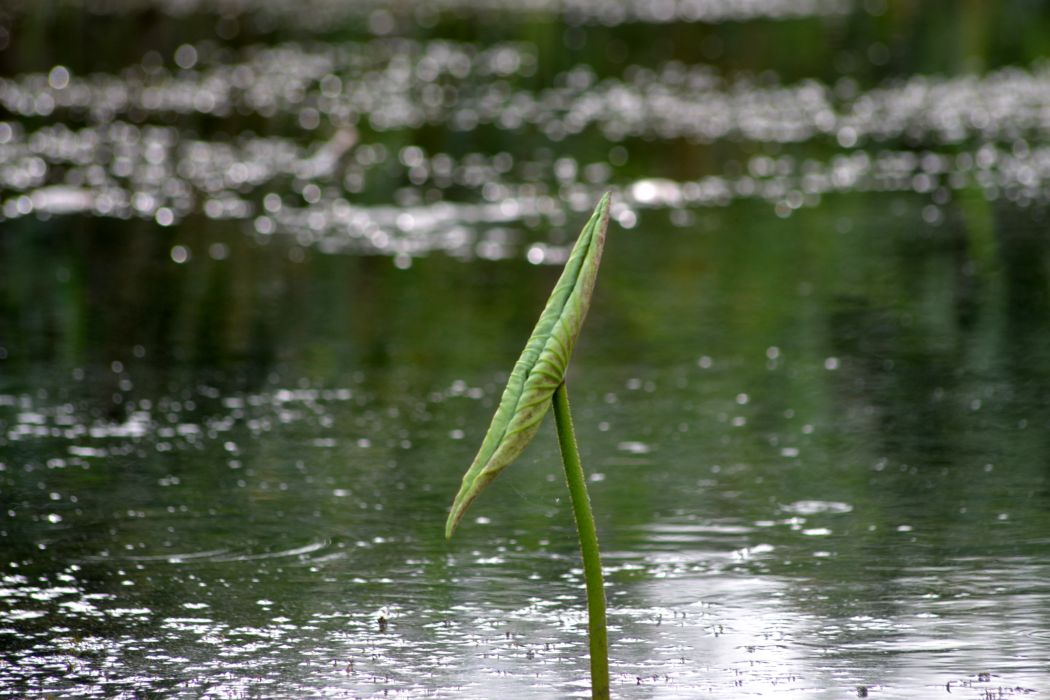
(264, 267)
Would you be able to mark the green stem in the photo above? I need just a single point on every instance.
(592, 562)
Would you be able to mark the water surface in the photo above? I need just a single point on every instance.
(263, 272)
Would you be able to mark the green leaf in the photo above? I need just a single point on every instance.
(541, 367)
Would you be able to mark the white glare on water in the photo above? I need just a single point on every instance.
(981, 133)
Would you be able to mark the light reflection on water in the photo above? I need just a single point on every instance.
(275, 582)
(979, 134)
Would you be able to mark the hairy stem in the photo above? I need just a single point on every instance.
(592, 563)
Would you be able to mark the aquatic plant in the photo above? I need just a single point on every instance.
(536, 383)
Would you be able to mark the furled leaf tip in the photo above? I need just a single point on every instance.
(541, 367)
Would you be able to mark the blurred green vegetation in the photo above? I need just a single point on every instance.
(919, 36)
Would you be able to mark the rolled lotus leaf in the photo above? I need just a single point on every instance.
(541, 367)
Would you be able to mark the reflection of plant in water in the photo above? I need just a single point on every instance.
(537, 382)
